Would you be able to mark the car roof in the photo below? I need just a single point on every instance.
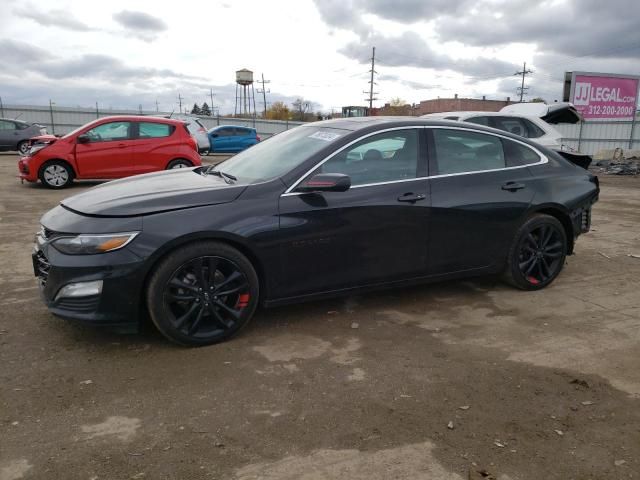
(355, 124)
(230, 126)
(139, 118)
(471, 113)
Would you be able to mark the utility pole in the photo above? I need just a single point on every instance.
(522, 89)
(157, 106)
(180, 102)
(97, 111)
(264, 92)
(371, 82)
(53, 126)
(1, 108)
(211, 95)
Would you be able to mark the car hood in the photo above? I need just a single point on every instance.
(153, 193)
(44, 139)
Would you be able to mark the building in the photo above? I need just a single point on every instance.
(455, 104)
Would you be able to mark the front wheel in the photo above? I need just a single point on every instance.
(202, 293)
(537, 254)
(179, 163)
(56, 174)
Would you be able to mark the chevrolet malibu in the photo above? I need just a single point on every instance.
(324, 209)
(111, 147)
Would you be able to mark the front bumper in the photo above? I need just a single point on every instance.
(24, 170)
(121, 271)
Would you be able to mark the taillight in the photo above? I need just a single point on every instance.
(258, 138)
(202, 130)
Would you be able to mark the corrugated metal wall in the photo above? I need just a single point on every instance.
(66, 119)
(589, 137)
(593, 136)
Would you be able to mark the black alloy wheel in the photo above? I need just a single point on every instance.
(538, 253)
(202, 294)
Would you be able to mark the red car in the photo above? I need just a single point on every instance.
(110, 147)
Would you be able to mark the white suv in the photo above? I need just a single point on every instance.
(527, 120)
(523, 125)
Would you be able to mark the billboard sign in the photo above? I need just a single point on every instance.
(604, 95)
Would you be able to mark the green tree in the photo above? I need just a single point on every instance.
(195, 110)
(205, 110)
(538, 100)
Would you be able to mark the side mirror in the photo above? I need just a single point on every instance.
(84, 138)
(326, 182)
(214, 135)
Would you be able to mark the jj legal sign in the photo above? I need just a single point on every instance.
(604, 95)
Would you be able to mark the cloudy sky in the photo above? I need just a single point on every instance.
(124, 54)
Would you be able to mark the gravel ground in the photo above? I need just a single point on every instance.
(467, 379)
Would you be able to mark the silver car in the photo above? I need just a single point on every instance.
(15, 135)
(197, 131)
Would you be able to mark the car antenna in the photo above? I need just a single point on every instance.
(19, 115)
(171, 114)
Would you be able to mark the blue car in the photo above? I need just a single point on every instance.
(229, 138)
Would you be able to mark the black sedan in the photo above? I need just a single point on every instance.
(328, 208)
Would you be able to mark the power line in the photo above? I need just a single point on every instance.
(371, 82)
(522, 89)
(264, 92)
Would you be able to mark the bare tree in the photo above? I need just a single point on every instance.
(301, 106)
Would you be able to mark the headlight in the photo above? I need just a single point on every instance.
(37, 147)
(90, 244)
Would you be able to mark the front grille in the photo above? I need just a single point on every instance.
(41, 266)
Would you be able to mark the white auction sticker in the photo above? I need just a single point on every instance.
(326, 136)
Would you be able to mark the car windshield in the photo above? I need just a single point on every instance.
(280, 153)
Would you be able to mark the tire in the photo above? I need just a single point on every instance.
(24, 147)
(537, 254)
(202, 293)
(56, 174)
(179, 163)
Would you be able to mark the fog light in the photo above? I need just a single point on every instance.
(80, 289)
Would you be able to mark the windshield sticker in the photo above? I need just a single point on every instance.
(325, 136)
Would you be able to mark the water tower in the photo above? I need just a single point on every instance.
(245, 95)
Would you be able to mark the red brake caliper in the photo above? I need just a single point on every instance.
(243, 300)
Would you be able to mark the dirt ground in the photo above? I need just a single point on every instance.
(468, 379)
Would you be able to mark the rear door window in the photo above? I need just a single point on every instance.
(460, 151)
(512, 125)
(7, 125)
(154, 130)
(517, 154)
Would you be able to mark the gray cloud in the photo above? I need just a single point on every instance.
(90, 78)
(52, 18)
(410, 50)
(574, 28)
(140, 21)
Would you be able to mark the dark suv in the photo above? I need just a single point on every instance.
(15, 135)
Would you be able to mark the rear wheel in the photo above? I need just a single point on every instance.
(56, 174)
(202, 293)
(538, 253)
(179, 163)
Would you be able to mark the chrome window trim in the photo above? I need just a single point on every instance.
(543, 158)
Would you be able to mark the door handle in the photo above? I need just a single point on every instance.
(513, 186)
(122, 145)
(411, 197)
